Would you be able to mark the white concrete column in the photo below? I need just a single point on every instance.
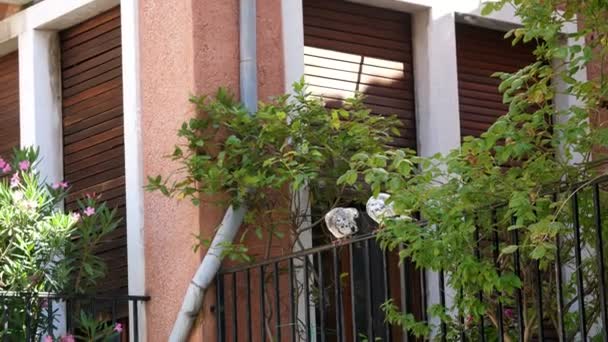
(40, 117)
(40, 99)
(134, 172)
(436, 81)
(437, 113)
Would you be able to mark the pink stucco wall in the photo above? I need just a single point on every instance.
(188, 46)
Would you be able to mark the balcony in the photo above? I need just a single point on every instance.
(31, 317)
(336, 292)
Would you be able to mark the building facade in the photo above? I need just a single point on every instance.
(101, 86)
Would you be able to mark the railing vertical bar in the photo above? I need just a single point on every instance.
(307, 298)
(351, 277)
(248, 281)
(338, 295)
(600, 259)
(321, 287)
(423, 299)
(539, 301)
(559, 290)
(495, 254)
(444, 331)
(113, 311)
(93, 307)
(277, 299)
(292, 299)
(463, 333)
(404, 273)
(234, 309)
(368, 288)
(579, 269)
(262, 304)
(136, 320)
(68, 313)
(28, 326)
(219, 287)
(561, 330)
(49, 312)
(4, 322)
(518, 293)
(387, 295)
(482, 334)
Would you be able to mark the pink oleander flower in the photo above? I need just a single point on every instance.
(24, 165)
(62, 185)
(90, 195)
(508, 313)
(118, 328)
(2, 163)
(76, 216)
(89, 211)
(48, 338)
(15, 181)
(68, 338)
(7, 168)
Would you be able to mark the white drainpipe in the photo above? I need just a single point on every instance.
(209, 267)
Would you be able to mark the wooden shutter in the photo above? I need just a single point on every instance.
(9, 104)
(351, 47)
(482, 52)
(93, 148)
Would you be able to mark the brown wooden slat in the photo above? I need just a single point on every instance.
(93, 134)
(379, 14)
(92, 63)
(90, 24)
(97, 139)
(9, 104)
(87, 122)
(352, 47)
(89, 93)
(95, 81)
(327, 19)
(77, 157)
(333, 34)
(480, 53)
(95, 47)
(68, 43)
(98, 70)
(115, 153)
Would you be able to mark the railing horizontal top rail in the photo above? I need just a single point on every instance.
(50, 295)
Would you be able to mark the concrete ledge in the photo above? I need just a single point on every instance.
(51, 15)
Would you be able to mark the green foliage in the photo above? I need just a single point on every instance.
(42, 247)
(93, 330)
(502, 182)
(261, 158)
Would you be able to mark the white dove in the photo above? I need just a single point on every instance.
(378, 210)
(342, 222)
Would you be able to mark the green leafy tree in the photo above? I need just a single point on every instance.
(508, 182)
(263, 158)
(44, 249)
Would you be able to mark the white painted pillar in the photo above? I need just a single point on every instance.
(292, 24)
(134, 174)
(40, 99)
(437, 113)
(40, 117)
(436, 81)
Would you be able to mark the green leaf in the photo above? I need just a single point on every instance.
(509, 249)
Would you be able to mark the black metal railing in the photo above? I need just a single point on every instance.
(33, 317)
(334, 292)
